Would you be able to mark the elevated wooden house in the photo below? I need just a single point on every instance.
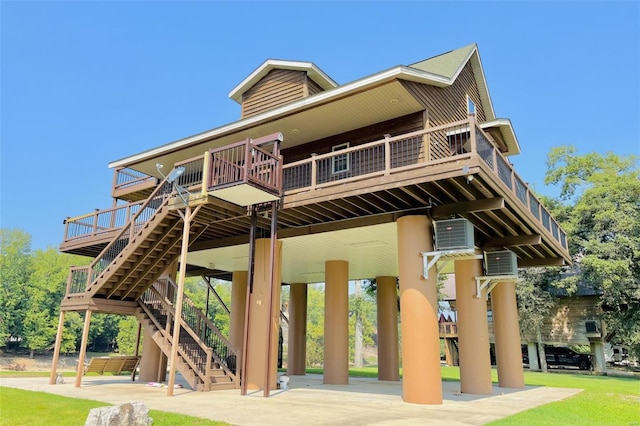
(321, 182)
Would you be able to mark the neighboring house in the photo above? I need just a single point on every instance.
(574, 319)
(320, 182)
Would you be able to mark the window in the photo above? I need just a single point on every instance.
(340, 163)
(471, 107)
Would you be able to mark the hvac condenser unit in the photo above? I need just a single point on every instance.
(454, 234)
(501, 263)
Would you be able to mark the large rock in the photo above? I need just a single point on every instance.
(129, 414)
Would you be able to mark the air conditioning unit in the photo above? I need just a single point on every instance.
(453, 234)
(501, 263)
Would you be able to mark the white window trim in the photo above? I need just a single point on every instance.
(469, 103)
(335, 158)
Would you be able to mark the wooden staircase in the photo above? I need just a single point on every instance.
(145, 247)
(206, 359)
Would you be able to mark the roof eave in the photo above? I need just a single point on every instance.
(399, 72)
(315, 73)
(508, 134)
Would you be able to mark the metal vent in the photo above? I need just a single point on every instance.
(453, 234)
(501, 263)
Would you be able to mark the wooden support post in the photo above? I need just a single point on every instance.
(56, 349)
(83, 347)
(186, 217)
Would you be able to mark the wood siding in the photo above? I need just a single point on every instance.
(277, 88)
(397, 126)
(313, 87)
(448, 104)
(565, 324)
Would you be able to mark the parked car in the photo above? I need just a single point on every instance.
(558, 356)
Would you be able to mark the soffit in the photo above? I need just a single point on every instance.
(380, 103)
(371, 251)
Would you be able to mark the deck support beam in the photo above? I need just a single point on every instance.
(83, 347)
(56, 349)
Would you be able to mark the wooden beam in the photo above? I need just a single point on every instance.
(514, 241)
(447, 210)
(549, 261)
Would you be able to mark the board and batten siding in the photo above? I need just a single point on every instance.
(277, 88)
(448, 104)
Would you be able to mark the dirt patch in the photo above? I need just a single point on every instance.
(9, 362)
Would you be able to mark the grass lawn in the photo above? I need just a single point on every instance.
(21, 407)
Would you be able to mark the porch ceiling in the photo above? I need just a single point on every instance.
(383, 102)
(370, 250)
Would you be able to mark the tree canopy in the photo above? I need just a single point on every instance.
(600, 210)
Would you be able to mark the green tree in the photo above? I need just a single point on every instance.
(47, 286)
(72, 332)
(362, 314)
(534, 304)
(127, 333)
(604, 232)
(15, 270)
(315, 325)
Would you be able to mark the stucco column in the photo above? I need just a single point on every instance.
(387, 304)
(297, 349)
(422, 380)
(599, 364)
(238, 305)
(259, 318)
(473, 330)
(152, 359)
(532, 349)
(506, 331)
(336, 323)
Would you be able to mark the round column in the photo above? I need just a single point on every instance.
(238, 306)
(422, 380)
(506, 331)
(387, 304)
(473, 330)
(336, 323)
(297, 350)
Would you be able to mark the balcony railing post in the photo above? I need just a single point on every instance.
(66, 228)
(70, 280)
(387, 155)
(314, 171)
(472, 132)
(247, 159)
(95, 222)
(206, 171)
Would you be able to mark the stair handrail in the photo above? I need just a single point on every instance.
(210, 336)
(199, 370)
(111, 251)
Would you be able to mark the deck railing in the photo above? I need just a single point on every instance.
(436, 145)
(124, 178)
(100, 222)
(247, 161)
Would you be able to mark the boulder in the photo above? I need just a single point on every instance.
(129, 414)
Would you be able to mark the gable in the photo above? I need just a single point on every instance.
(277, 88)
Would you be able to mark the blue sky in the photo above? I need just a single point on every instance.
(86, 83)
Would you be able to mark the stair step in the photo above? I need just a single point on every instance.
(223, 386)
